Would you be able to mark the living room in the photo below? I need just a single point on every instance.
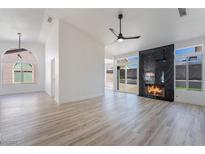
(102, 76)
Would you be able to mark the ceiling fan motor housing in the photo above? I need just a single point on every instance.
(120, 36)
(120, 16)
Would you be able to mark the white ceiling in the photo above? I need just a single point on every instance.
(156, 26)
(26, 21)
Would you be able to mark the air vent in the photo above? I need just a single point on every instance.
(50, 19)
(182, 12)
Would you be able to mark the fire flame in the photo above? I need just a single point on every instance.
(155, 90)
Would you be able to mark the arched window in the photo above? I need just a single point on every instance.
(19, 67)
(23, 73)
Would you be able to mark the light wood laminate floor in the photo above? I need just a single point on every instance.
(114, 119)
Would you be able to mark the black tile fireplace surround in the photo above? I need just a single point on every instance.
(156, 73)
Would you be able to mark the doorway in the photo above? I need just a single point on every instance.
(53, 77)
(127, 72)
(109, 74)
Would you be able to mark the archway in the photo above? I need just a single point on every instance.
(18, 68)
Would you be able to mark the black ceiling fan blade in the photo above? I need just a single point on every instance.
(120, 36)
(15, 50)
(135, 37)
(112, 30)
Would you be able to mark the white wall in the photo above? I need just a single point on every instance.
(193, 97)
(52, 51)
(81, 63)
(39, 52)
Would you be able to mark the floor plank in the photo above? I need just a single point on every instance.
(114, 119)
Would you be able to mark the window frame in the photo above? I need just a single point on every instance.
(187, 67)
(22, 71)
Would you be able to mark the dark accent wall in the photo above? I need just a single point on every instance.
(152, 61)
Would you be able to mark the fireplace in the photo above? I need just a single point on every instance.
(154, 90)
(156, 73)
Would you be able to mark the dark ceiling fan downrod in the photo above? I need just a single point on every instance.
(120, 36)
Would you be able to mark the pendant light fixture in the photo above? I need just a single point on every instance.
(19, 49)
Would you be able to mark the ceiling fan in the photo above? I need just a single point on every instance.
(19, 49)
(120, 37)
